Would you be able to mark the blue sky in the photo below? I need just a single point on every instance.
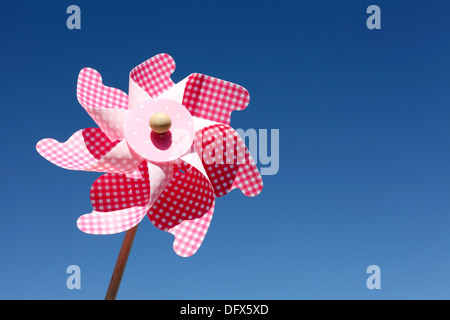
(364, 124)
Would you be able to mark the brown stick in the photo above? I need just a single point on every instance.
(120, 264)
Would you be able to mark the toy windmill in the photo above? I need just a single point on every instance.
(167, 150)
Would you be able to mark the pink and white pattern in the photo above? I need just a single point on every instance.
(178, 195)
(107, 106)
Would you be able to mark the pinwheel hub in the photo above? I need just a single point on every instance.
(159, 130)
(160, 122)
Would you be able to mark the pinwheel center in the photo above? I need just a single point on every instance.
(159, 130)
(160, 122)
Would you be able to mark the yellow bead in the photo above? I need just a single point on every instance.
(160, 122)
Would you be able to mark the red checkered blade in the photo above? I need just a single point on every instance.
(227, 161)
(114, 191)
(213, 99)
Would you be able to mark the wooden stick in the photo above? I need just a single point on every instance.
(120, 264)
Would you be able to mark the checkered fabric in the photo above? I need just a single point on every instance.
(185, 209)
(111, 222)
(213, 99)
(107, 106)
(90, 150)
(97, 142)
(187, 196)
(91, 92)
(114, 191)
(153, 75)
(72, 154)
(227, 161)
(189, 234)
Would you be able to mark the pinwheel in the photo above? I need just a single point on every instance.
(167, 150)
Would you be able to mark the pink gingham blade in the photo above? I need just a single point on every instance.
(107, 106)
(111, 222)
(90, 150)
(189, 234)
(153, 75)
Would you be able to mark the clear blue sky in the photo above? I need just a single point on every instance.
(364, 120)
